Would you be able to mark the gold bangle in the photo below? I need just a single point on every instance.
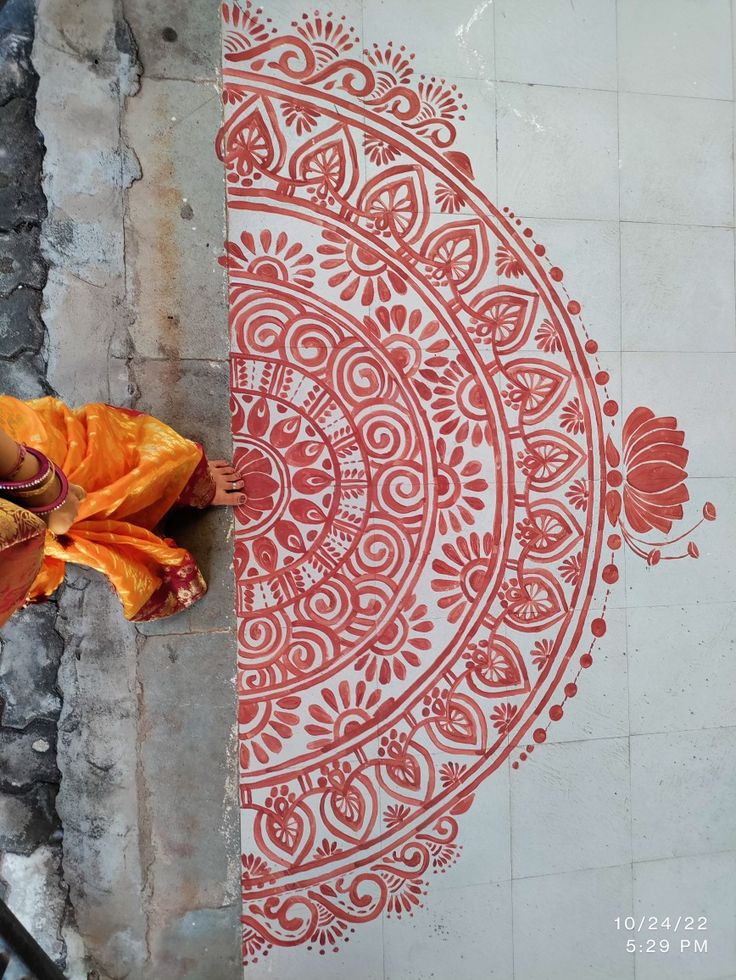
(38, 491)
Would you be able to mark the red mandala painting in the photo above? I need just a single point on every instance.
(436, 483)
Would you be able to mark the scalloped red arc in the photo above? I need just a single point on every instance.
(423, 443)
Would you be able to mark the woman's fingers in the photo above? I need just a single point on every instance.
(79, 492)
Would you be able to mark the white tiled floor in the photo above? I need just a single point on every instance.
(557, 151)
(608, 124)
(564, 925)
(675, 159)
(553, 42)
(675, 48)
(660, 306)
(704, 884)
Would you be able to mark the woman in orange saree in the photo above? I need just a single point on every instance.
(126, 470)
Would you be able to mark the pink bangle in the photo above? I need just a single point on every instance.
(44, 465)
(60, 500)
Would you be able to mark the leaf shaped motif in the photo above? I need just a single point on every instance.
(350, 811)
(285, 432)
(266, 553)
(311, 480)
(504, 316)
(397, 201)
(552, 531)
(408, 778)
(286, 833)
(254, 140)
(328, 162)
(289, 536)
(496, 669)
(461, 729)
(458, 252)
(535, 602)
(543, 386)
(550, 459)
(307, 512)
(303, 453)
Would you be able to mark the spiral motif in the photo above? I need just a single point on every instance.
(384, 549)
(387, 431)
(355, 372)
(261, 638)
(401, 491)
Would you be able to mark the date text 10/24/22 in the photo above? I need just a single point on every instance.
(669, 924)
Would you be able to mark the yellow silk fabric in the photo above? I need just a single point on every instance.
(133, 468)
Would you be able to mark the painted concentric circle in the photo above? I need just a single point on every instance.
(423, 442)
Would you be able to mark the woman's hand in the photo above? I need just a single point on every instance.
(59, 521)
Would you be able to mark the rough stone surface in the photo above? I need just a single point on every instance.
(28, 820)
(36, 895)
(175, 222)
(16, 35)
(176, 40)
(23, 376)
(29, 662)
(192, 819)
(199, 945)
(98, 799)
(21, 199)
(20, 261)
(21, 327)
(85, 57)
(21, 765)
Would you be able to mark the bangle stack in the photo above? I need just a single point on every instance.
(24, 492)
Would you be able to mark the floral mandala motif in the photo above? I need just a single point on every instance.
(430, 463)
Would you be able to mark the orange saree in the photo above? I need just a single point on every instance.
(134, 469)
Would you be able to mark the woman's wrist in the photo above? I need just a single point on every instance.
(44, 490)
(24, 466)
(27, 464)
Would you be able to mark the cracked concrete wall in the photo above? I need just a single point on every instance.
(86, 60)
(146, 884)
(30, 647)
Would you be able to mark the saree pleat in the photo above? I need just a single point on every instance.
(134, 468)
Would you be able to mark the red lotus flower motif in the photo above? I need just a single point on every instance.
(653, 484)
(655, 460)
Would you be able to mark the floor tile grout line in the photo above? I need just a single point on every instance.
(611, 91)
(591, 868)
(729, 226)
(632, 221)
(665, 732)
(621, 410)
(460, 77)
(733, 53)
(620, 864)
